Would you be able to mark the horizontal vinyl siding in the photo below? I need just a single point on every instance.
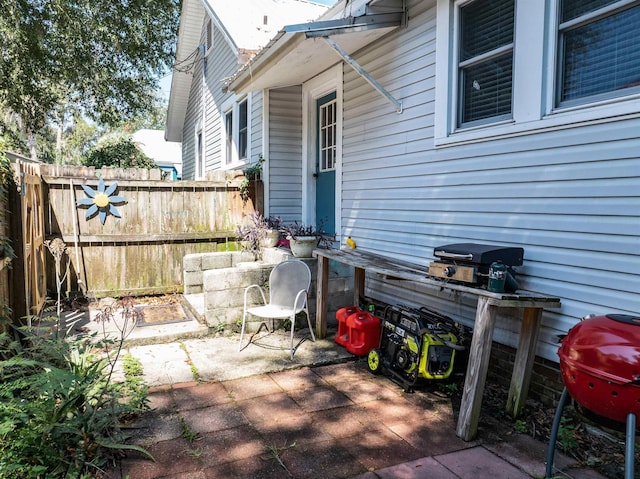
(570, 198)
(255, 146)
(221, 64)
(192, 117)
(285, 153)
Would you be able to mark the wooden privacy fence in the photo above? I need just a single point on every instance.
(5, 260)
(27, 283)
(160, 222)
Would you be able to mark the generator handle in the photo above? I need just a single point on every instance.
(449, 344)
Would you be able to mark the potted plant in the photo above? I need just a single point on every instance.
(303, 239)
(252, 174)
(259, 232)
(272, 236)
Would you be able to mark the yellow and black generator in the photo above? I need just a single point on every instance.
(416, 343)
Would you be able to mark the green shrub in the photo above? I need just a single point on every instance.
(59, 409)
(120, 152)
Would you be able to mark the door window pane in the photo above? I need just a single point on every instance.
(327, 136)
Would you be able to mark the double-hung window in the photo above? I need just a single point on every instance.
(511, 67)
(485, 61)
(237, 132)
(243, 130)
(598, 53)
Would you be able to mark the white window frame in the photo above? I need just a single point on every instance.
(601, 98)
(317, 87)
(333, 104)
(477, 59)
(233, 106)
(534, 78)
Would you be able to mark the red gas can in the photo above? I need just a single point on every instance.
(342, 337)
(364, 333)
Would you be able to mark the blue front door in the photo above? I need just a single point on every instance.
(326, 163)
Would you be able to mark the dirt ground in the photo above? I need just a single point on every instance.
(594, 442)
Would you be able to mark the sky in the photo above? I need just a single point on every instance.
(165, 83)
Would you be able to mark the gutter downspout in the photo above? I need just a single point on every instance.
(200, 174)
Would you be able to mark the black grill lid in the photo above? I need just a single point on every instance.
(484, 254)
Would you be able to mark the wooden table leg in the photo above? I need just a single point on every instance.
(479, 354)
(322, 295)
(523, 362)
(358, 285)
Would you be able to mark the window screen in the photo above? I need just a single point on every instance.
(485, 60)
(228, 125)
(598, 52)
(243, 130)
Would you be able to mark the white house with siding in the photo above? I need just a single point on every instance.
(219, 129)
(419, 123)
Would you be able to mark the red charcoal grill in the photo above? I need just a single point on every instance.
(600, 367)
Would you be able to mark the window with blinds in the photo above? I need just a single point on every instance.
(598, 55)
(243, 130)
(237, 131)
(509, 67)
(228, 126)
(485, 68)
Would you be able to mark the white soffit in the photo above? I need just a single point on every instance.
(301, 60)
(191, 18)
(246, 24)
(291, 58)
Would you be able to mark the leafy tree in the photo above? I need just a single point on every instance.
(78, 138)
(102, 57)
(153, 119)
(118, 151)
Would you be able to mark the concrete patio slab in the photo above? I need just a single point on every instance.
(256, 414)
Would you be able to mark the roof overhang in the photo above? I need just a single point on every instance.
(191, 19)
(244, 32)
(299, 52)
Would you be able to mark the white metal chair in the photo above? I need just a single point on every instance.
(289, 284)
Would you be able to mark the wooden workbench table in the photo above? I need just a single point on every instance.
(481, 342)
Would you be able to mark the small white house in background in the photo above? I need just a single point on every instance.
(218, 129)
(420, 123)
(167, 155)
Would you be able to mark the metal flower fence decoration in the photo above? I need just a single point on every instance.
(101, 201)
